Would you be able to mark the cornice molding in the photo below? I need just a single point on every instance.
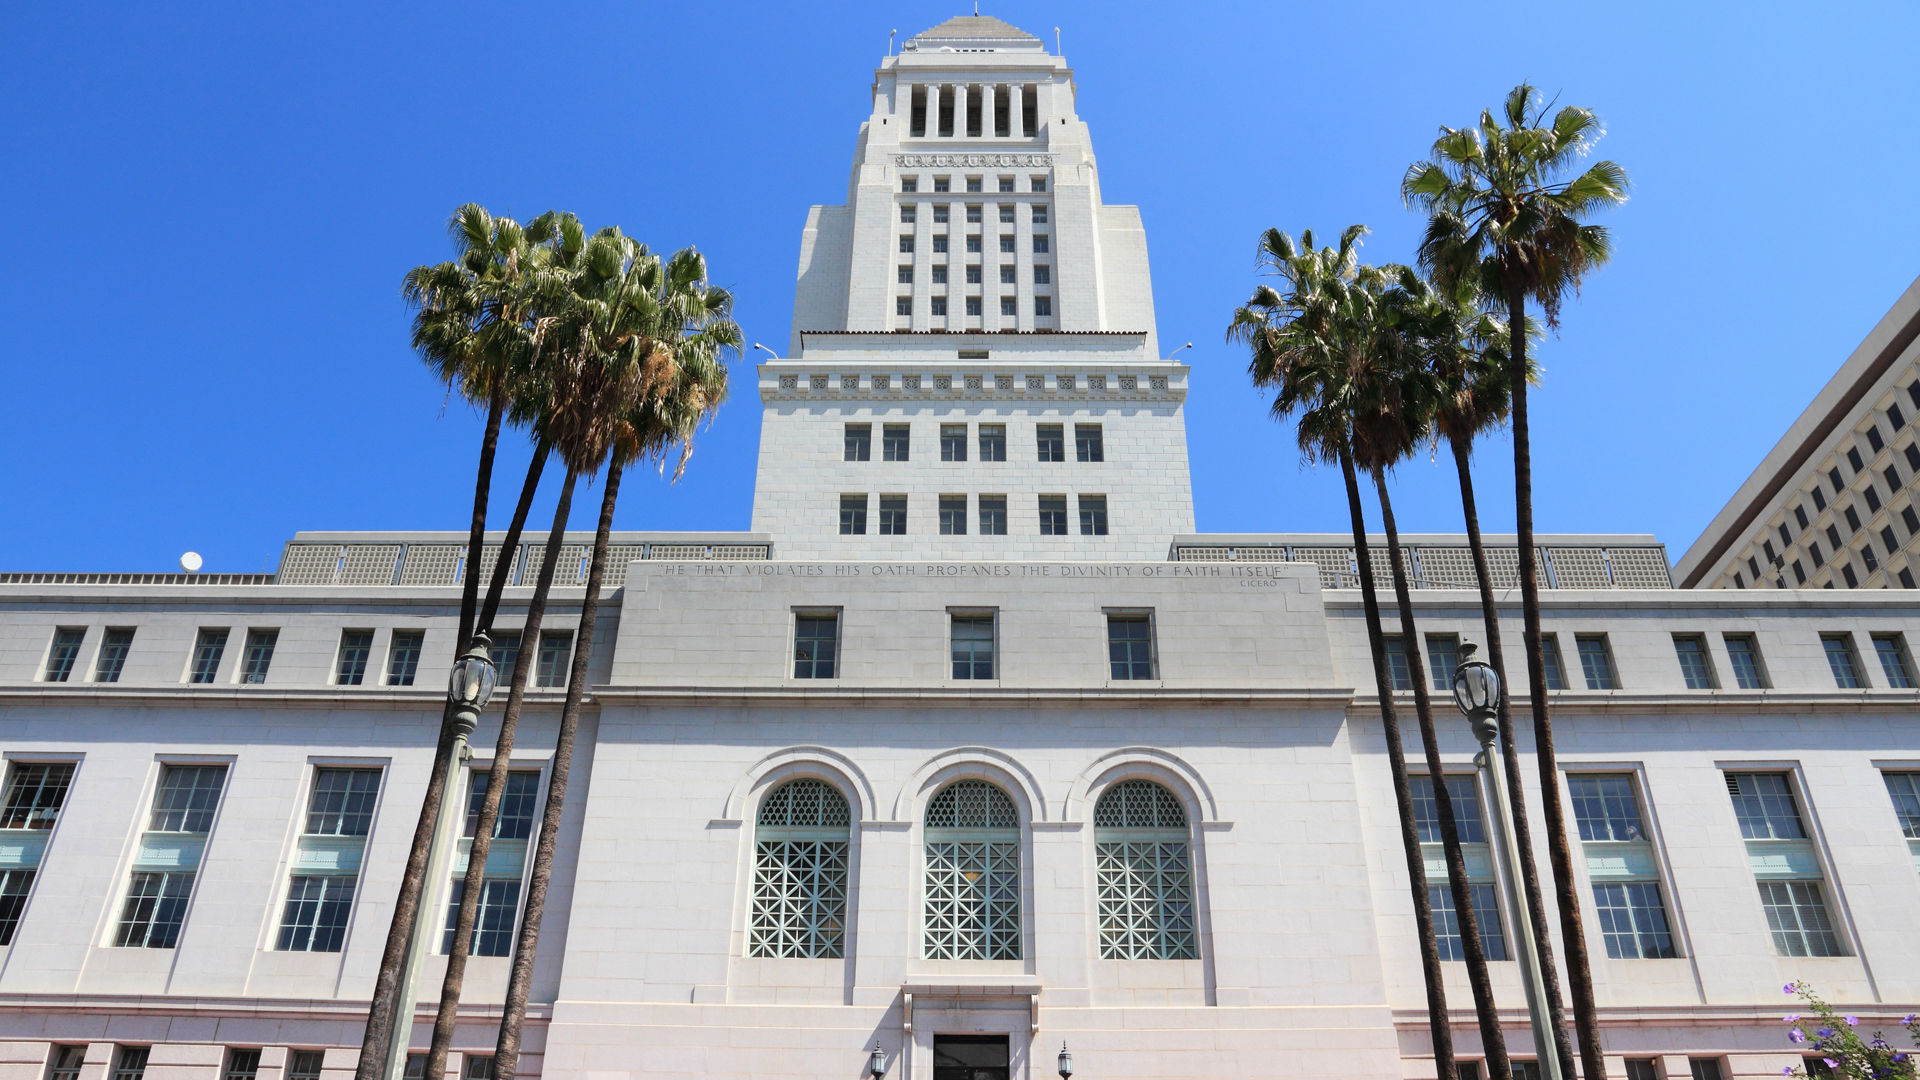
(973, 161)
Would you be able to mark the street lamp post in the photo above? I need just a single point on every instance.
(1064, 1062)
(469, 687)
(1477, 690)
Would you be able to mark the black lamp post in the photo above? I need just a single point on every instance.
(1064, 1062)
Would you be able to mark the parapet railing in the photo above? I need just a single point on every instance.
(135, 579)
(1450, 566)
(446, 564)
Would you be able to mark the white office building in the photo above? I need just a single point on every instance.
(970, 748)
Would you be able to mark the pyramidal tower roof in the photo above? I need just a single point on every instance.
(969, 29)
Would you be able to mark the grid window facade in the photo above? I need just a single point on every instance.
(1596, 662)
(896, 442)
(1797, 916)
(207, 650)
(1143, 870)
(355, 647)
(858, 442)
(973, 643)
(1695, 667)
(1626, 885)
(953, 515)
(189, 796)
(800, 872)
(556, 649)
(1784, 863)
(15, 885)
(403, 659)
(972, 883)
(1553, 671)
(1130, 646)
(168, 856)
(35, 794)
(503, 648)
(1446, 922)
(1744, 654)
(1842, 661)
(1892, 651)
(993, 515)
(1471, 828)
(155, 909)
(65, 1062)
(1904, 787)
(113, 654)
(1043, 306)
(1051, 440)
(342, 802)
(515, 818)
(476, 1067)
(493, 919)
(1399, 672)
(1443, 655)
(1053, 515)
(816, 646)
(130, 1063)
(1088, 443)
(1093, 515)
(316, 915)
(1009, 305)
(258, 656)
(993, 442)
(305, 1064)
(853, 515)
(953, 442)
(65, 652)
(893, 515)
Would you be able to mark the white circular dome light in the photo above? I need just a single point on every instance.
(190, 561)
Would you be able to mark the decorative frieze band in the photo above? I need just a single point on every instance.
(973, 161)
(1001, 383)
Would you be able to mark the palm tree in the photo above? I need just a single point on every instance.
(648, 341)
(465, 330)
(1466, 351)
(1302, 342)
(1396, 418)
(1503, 222)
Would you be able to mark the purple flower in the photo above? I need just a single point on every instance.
(1787, 989)
(1852, 1021)
(1793, 1018)
(1911, 1017)
(1824, 1032)
(1831, 1064)
(1796, 1035)
(1788, 1071)
(1900, 1057)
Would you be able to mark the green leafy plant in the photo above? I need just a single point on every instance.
(1835, 1041)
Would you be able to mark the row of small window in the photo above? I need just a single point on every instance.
(1049, 440)
(992, 517)
(1876, 442)
(1007, 244)
(1009, 274)
(1143, 868)
(973, 642)
(1009, 305)
(319, 902)
(350, 666)
(1698, 1068)
(910, 213)
(130, 1063)
(1695, 659)
(973, 183)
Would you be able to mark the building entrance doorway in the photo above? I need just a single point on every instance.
(969, 1057)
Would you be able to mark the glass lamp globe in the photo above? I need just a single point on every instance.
(1476, 688)
(472, 681)
(877, 1062)
(1065, 1062)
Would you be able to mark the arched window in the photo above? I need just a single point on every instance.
(973, 874)
(1144, 868)
(800, 872)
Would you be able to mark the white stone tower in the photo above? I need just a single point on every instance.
(974, 370)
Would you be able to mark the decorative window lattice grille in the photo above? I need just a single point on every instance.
(1143, 869)
(972, 894)
(1638, 568)
(1096, 382)
(618, 556)
(1579, 568)
(309, 564)
(1451, 567)
(1445, 568)
(432, 564)
(368, 564)
(570, 570)
(800, 873)
(1036, 382)
(1336, 565)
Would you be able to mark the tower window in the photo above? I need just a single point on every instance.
(1006, 213)
(973, 213)
(1006, 244)
(853, 515)
(908, 213)
(993, 515)
(1039, 213)
(906, 244)
(1043, 307)
(953, 515)
(893, 515)
(1053, 515)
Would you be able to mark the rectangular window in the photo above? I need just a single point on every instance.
(504, 650)
(1006, 244)
(1052, 441)
(1465, 797)
(953, 515)
(1443, 655)
(1643, 1069)
(1745, 655)
(1620, 860)
(65, 1062)
(942, 183)
(973, 302)
(1039, 213)
(1853, 459)
(1053, 515)
(1039, 243)
(1904, 787)
(317, 912)
(906, 244)
(1784, 863)
(1039, 183)
(909, 183)
(1873, 498)
(903, 305)
(973, 245)
(896, 442)
(493, 920)
(1043, 275)
(513, 828)
(993, 515)
(1596, 662)
(342, 802)
(940, 245)
(1873, 438)
(939, 304)
(1006, 210)
(1704, 1068)
(993, 442)
(940, 214)
(113, 654)
(893, 515)
(1887, 538)
(1007, 276)
(1695, 666)
(973, 213)
(1093, 515)
(477, 1067)
(1399, 672)
(130, 1063)
(908, 212)
(1009, 305)
(35, 794)
(1892, 650)
(973, 182)
(1800, 514)
(953, 442)
(1842, 661)
(816, 646)
(1087, 443)
(973, 646)
(155, 907)
(258, 656)
(556, 649)
(1555, 674)
(305, 1064)
(403, 658)
(1892, 473)
(1130, 646)
(66, 650)
(207, 650)
(853, 515)
(1043, 306)
(1819, 499)
(859, 442)
(973, 278)
(355, 647)
(1813, 551)
(903, 275)
(169, 856)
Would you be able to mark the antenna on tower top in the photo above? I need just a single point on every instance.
(890, 34)
(976, 8)
(1056, 41)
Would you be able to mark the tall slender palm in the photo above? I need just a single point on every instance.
(1396, 415)
(654, 336)
(465, 329)
(1502, 220)
(1466, 350)
(1302, 343)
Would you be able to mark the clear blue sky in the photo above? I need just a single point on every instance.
(212, 207)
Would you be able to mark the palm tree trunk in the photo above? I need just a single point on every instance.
(1437, 1021)
(1585, 1018)
(374, 1042)
(506, 1057)
(503, 563)
(1516, 793)
(471, 884)
(1492, 1039)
